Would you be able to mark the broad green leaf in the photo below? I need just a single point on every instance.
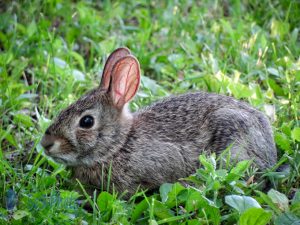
(212, 213)
(47, 181)
(164, 191)
(240, 91)
(107, 45)
(296, 198)
(255, 216)
(78, 75)
(177, 60)
(161, 210)
(24, 119)
(196, 200)
(65, 194)
(11, 199)
(268, 201)
(105, 201)
(138, 210)
(287, 219)
(153, 86)
(283, 142)
(153, 222)
(275, 87)
(238, 171)
(273, 71)
(31, 29)
(296, 134)
(173, 219)
(207, 163)
(176, 195)
(60, 63)
(279, 199)
(221, 173)
(19, 214)
(286, 128)
(279, 28)
(19, 68)
(29, 96)
(205, 206)
(295, 208)
(241, 203)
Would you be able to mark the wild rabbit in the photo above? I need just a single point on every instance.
(157, 144)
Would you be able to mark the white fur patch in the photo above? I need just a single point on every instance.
(55, 148)
(126, 114)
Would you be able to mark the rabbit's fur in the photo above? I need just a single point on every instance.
(160, 143)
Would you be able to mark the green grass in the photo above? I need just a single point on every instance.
(52, 51)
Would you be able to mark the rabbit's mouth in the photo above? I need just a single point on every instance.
(59, 160)
(68, 159)
(64, 160)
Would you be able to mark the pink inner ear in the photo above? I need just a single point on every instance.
(125, 80)
(110, 62)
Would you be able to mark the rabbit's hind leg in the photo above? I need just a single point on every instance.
(240, 131)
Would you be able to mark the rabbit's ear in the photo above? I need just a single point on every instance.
(110, 62)
(125, 80)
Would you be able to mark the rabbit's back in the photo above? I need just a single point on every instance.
(201, 121)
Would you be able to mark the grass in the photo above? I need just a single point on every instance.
(53, 51)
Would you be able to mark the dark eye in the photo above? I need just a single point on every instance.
(86, 122)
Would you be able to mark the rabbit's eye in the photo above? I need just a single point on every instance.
(86, 122)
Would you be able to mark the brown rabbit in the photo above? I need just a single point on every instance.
(160, 143)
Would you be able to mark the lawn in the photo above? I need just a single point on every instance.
(51, 52)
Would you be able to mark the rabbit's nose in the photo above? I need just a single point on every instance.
(47, 142)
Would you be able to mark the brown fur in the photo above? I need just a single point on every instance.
(160, 143)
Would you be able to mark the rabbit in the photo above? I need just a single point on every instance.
(157, 144)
